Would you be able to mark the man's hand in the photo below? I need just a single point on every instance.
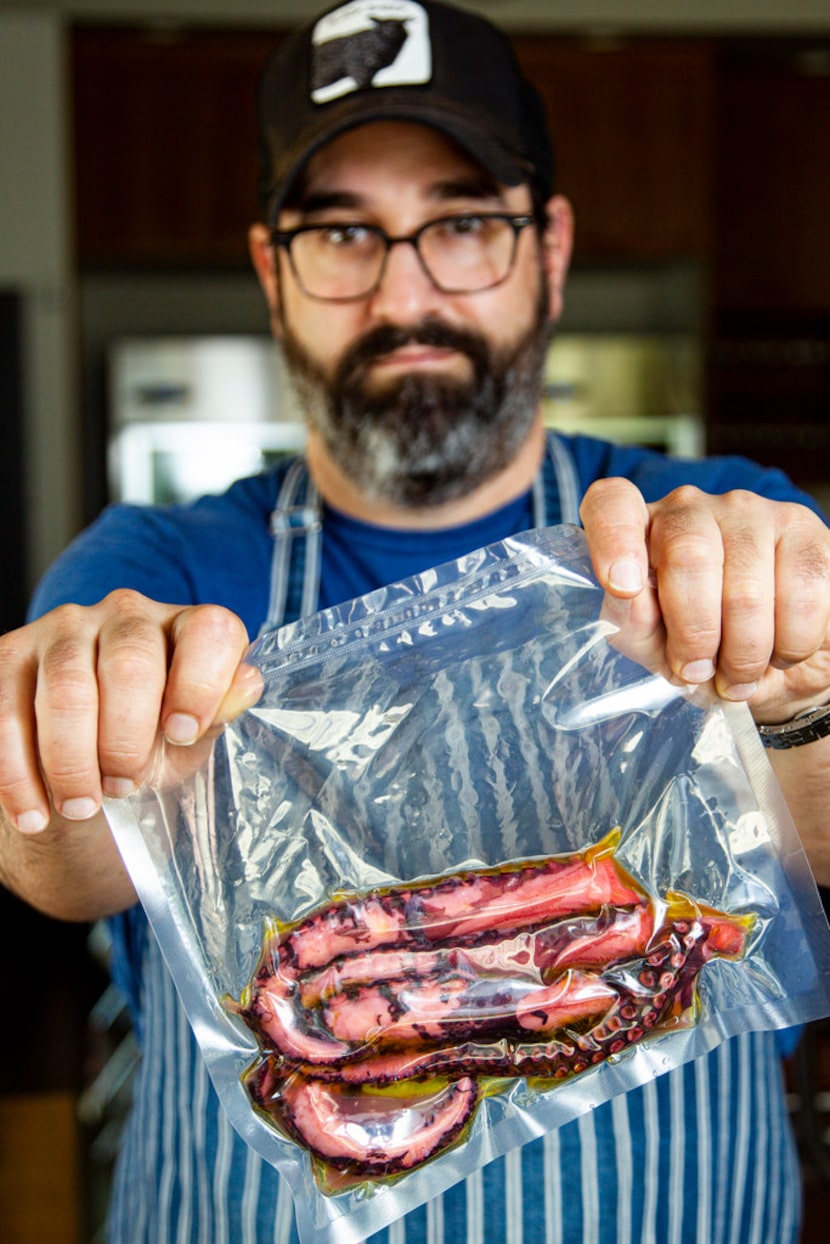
(85, 692)
(734, 588)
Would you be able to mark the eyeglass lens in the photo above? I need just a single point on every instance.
(460, 254)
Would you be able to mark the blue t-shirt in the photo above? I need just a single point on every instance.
(704, 1154)
(218, 549)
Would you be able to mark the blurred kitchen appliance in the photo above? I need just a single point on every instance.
(189, 415)
(635, 388)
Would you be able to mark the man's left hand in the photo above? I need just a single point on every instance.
(734, 588)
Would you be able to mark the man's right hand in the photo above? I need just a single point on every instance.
(85, 693)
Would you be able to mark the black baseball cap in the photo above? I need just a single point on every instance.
(401, 60)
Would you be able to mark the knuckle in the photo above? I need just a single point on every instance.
(677, 524)
(739, 501)
(69, 619)
(806, 540)
(807, 614)
(208, 642)
(121, 757)
(812, 563)
(8, 695)
(686, 503)
(696, 640)
(126, 619)
(684, 497)
(785, 655)
(685, 549)
(66, 774)
(751, 658)
(63, 774)
(14, 648)
(132, 650)
(216, 633)
(66, 681)
(744, 550)
(132, 667)
(802, 636)
(64, 653)
(16, 792)
(221, 624)
(800, 518)
(131, 655)
(745, 599)
(123, 600)
(61, 658)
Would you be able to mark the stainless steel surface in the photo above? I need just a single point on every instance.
(189, 415)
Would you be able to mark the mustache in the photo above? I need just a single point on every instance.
(386, 338)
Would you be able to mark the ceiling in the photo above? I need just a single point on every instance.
(597, 16)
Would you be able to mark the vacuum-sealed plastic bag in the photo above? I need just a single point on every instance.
(467, 870)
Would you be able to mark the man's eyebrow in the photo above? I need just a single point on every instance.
(476, 188)
(325, 200)
(479, 187)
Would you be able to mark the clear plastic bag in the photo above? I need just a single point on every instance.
(545, 874)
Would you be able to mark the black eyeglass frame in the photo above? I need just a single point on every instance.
(517, 221)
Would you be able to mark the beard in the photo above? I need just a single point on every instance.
(424, 439)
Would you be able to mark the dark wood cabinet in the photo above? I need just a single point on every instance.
(768, 357)
(772, 165)
(165, 143)
(165, 147)
(632, 123)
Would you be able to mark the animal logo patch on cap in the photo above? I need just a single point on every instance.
(377, 43)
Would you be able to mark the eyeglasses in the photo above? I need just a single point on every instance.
(342, 262)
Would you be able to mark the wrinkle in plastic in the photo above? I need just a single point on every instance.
(473, 720)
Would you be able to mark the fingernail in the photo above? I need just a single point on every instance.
(252, 682)
(740, 691)
(78, 809)
(181, 729)
(32, 822)
(626, 575)
(698, 671)
(117, 788)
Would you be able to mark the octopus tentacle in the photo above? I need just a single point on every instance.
(467, 905)
(541, 969)
(363, 1132)
(594, 940)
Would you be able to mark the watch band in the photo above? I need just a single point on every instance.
(805, 727)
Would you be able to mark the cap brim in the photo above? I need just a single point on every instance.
(484, 146)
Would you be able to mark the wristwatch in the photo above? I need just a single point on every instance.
(805, 727)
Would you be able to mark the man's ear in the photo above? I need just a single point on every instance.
(557, 245)
(261, 250)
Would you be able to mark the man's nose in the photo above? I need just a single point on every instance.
(406, 291)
